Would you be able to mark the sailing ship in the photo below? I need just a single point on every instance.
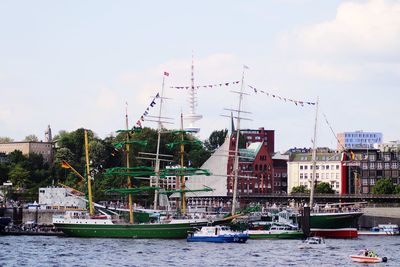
(83, 224)
(334, 224)
(105, 225)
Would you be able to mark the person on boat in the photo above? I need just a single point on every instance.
(372, 254)
(365, 252)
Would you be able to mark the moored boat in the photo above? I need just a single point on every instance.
(276, 232)
(382, 230)
(335, 225)
(82, 225)
(217, 234)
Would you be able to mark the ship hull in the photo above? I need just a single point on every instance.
(335, 225)
(140, 231)
(163, 231)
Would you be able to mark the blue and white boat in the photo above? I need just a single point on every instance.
(217, 234)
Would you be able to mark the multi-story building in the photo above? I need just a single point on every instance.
(46, 149)
(328, 169)
(259, 172)
(280, 173)
(365, 167)
(43, 148)
(388, 146)
(267, 137)
(358, 140)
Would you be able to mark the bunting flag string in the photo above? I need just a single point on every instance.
(206, 86)
(147, 110)
(296, 102)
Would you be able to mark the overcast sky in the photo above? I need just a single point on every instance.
(74, 64)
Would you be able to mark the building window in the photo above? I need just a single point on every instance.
(372, 157)
(305, 167)
(372, 181)
(327, 167)
(394, 165)
(387, 165)
(372, 165)
(379, 165)
(301, 167)
(365, 166)
(387, 157)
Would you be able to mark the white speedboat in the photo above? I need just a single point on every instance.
(313, 242)
(365, 256)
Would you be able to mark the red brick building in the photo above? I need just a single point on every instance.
(258, 173)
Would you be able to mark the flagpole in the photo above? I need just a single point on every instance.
(157, 167)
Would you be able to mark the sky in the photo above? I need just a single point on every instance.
(75, 64)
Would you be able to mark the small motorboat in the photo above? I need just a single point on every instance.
(217, 234)
(313, 242)
(366, 256)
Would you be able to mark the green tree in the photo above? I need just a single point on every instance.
(216, 139)
(324, 188)
(16, 157)
(19, 176)
(383, 186)
(300, 189)
(397, 189)
(31, 138)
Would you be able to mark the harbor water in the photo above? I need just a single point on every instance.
(66, 251)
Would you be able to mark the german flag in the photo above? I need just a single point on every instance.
(65, 165)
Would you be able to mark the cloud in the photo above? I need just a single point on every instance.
(361, 28)
(347, 48)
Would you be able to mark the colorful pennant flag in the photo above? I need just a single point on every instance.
(296, 102)
(206, 86)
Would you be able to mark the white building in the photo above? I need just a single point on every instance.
(328, 169)
(358, 140)
(389, 146)
(60, 198)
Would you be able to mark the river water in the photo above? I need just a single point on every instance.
(66, 251)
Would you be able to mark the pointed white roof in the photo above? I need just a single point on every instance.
(217, 164)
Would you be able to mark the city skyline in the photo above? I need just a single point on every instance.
(77, 67)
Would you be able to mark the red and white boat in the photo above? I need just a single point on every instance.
(367, 257)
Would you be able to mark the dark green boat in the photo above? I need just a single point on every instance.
(105, 227)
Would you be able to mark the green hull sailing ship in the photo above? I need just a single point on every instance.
(82, 224)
